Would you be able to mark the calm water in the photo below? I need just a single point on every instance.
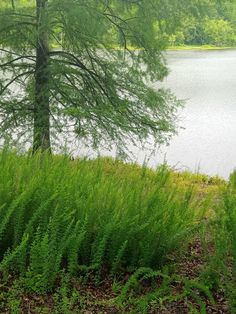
(207, 81)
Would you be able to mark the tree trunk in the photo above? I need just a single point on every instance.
(41, 137)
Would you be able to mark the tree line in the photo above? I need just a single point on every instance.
(214, 24)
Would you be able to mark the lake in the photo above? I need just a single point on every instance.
(206, 80)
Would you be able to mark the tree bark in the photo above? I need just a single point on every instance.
(41, 136)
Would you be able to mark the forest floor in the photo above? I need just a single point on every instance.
(184, 293)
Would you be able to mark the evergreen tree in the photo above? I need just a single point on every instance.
(85, 65)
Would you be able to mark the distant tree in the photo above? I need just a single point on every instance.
(85, 65)
(206, 22)
(218, 32)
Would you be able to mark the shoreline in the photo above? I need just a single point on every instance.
(197, 48)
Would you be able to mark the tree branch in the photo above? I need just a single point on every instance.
(13, 80)
(16, 59)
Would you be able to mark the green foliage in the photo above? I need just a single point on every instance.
(222, 267)
(162, 291)
(66, 298)
(10, 300)
(95, 216)
(102, 57)
(207, 23)
(218, 33)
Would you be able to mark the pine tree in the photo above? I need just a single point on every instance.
(86, 66)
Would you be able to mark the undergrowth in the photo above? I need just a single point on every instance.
(89, 217)
(223, 266)
(108, 236)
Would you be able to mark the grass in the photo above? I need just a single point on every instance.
(200, 47)
(96, 236)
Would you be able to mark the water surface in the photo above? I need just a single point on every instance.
(207, 81)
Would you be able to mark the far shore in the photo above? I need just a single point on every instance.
(203, 47)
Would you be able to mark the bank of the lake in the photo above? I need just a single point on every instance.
(199, 47)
